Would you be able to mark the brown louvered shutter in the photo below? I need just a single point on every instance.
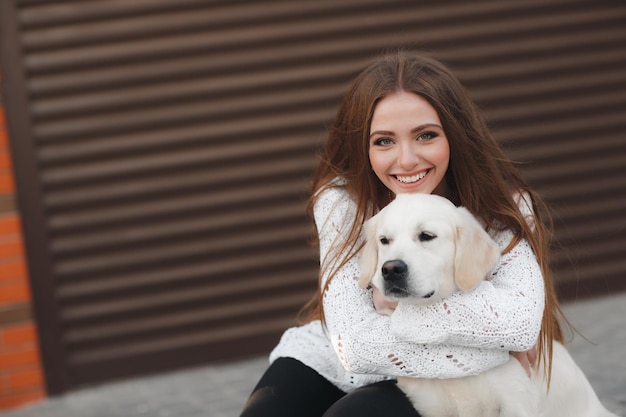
(164, 151)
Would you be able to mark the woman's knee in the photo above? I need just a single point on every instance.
(376, 400)
(290, 388)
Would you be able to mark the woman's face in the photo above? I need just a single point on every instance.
(408, 149)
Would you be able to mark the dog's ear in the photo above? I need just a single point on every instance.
(369, 254)
(476, 252)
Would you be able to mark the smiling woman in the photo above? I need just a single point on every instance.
(407, 126)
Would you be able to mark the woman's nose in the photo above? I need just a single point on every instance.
(407, 158)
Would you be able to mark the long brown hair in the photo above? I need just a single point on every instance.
(481, 177)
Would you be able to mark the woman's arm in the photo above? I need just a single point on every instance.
(362, 338)
(504, 312)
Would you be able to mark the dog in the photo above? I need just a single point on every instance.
(420, 249)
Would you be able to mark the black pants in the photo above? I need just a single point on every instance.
(291, 389)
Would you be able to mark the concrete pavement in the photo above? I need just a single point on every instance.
(221, 390)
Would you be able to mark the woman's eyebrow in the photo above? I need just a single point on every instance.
(414, 130)
(425, 126)
(382, 132)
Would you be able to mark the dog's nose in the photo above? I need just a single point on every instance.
(394, 270)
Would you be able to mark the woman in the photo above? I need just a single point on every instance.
(407, 125)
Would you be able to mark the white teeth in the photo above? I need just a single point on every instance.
(413, 178)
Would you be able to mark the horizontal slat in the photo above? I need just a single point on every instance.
(570, 192)
(180, 306)
(225, 222)
(148, 188)
(598, 167)
(559, 146)
(182, 68)
(609, 120)
(261, 121)
(153, 163)
(55, 12)
(174, 299)
(171, 251)
(311, 81)
(235, 38)
(49, 12)
(531, 110)
(610, 79)
(560, 62)
(254, 138)
(597, 272)
(200, 339)
(218, 292)
(102, 334)
(205, 269)
(116, 17)
(605, 204)
(125, 27)
(174, 205)
(601, 252)
(578, 233)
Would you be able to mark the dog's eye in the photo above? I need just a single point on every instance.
(383, 240)
(426, 237)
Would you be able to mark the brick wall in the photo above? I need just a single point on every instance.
(21, 375)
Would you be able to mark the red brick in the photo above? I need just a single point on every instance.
(19, 334)
(5, 158)
(7, 185)
(28, 356)
(10, 224)
(11, 247)
(25, 379)
(15, 270)
(15, 292)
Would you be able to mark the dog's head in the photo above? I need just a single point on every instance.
(422, 248)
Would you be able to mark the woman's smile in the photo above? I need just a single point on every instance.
(409, 179)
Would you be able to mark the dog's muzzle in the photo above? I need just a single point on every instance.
(395, 273)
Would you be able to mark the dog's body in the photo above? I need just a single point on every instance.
(421, 249)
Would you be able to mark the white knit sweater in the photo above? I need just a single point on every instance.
(465, 334)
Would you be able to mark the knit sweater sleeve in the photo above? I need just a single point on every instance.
(504, 312)
(364, 340)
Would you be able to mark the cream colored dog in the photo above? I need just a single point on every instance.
(421, 249)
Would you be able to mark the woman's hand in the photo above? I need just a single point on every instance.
(382, 304)
(527, 359)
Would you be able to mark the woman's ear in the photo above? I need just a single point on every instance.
(476, 252)
(369, 255)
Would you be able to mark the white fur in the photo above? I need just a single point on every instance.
(460, 255)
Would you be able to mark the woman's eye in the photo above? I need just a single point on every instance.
(383, 142)
(384, 240)
(427, 136)
(426, 237)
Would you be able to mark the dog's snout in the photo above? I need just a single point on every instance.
(394, 270)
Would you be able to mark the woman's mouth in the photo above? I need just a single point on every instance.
(412, 178)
